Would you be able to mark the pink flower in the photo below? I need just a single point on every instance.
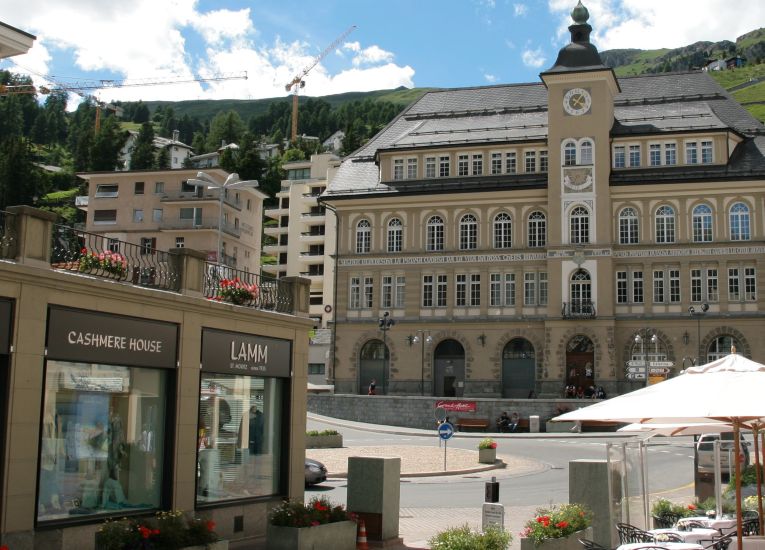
(315, 523)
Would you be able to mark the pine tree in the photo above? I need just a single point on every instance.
(143, 156)
(106, 145)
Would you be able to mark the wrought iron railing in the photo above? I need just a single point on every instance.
(8, 236)
(578, 309)
(76, 250)
(234, 286)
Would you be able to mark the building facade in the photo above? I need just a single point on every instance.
(538, 239)
(159, 209)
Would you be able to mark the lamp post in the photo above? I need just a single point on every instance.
(640, 339)
(385, 323)
(204, 179)
(698, 315)
(423, 337)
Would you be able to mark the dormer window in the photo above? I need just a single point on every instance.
(398, 169)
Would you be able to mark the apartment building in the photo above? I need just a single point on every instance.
(160, 209)
(586, 230)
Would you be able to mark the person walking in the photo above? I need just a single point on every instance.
(372, 387)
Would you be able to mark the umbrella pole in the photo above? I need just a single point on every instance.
(759, 481)
(737, 470)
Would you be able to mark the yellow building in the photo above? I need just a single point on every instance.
(584, 231)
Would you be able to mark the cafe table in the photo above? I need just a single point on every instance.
(703, 536)
(665, 545)
(724, 524)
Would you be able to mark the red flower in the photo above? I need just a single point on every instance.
(493, 444)
(691, 506)
(320, 507)
(145, 531)
(544, 520)
(4, 547)
(315, 523)
(155, 531)
(210, 525)
(561, 524)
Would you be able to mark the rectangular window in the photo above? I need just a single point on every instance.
(107, 191)
(441, 291)
(637, 287)
(543, 161)
(430, 167)
(240, 432)
(399, 292)
(104, 217)
(138, 188)
(496, 163)
(398, 169)
(368, 293)
(691, 154)
(619, 159)
(658, 287)
(529, 289)
(443, 166)
(461, 289)
(478, 164)
(156, 214)
(495, 289)
(99, 420)
(316, 368)
(696, 285)
(531, 161)
(542, 288)
(159, 187)
(621, 287)
(148, 245)
(180, 242)
(428, 290)
(411, 169)
(386, 296)
(674, 286)
(475, 290)
(706, 152)
(734, 285)
(502, 289)
(670, 154)
(654, 155)
(462, 165)
(137, 215)
(511, 164)
(354, 300)
(712, 288)
(509, 289)
(114, 245)
(750, 284)
(634, 156)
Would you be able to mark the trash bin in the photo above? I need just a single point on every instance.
(534, 424)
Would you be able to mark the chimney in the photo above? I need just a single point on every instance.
(176, 135)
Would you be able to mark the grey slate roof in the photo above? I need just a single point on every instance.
(647, 104)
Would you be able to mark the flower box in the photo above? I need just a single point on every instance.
(218, 545)
(340, 535)
(570, 542)
(487, 456)
(324, 441)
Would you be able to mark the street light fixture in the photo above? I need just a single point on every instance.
(698, 315)
(385, 323)
(204, 179)
(640, 339)
(423, 337)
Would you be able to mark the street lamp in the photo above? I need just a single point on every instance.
(423, 337)
(640, 339)
(698, 315)
(385, 323)
(204, 179)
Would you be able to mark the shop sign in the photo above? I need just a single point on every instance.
(6, 316)
(87, 336)
(457, 406)
(245, 354)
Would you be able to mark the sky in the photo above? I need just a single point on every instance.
(411, 43)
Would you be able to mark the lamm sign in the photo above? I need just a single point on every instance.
(249, 354)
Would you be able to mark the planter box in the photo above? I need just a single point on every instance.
(487, 456)
(340, 535)
(567, 543)
(219, 545)
(324, 441)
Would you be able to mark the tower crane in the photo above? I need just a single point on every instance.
(296, 83)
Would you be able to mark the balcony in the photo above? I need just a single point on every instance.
(313, 277)
(313, 218)
(273, 249)
(275, 230)
(310, 199)
(578, 309)
(312, 238)
(203, 224)
(276, 213)
(191, 196)
(312, 257)
(272, 269)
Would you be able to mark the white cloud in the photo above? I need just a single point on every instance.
(490, 78)
(519, 10)
(533, 58)
(145, 39)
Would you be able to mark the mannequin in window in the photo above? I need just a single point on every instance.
(49, 461)
(117, 450)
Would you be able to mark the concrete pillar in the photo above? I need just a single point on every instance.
(301, 290)
(374, 493)
(190, 266)
(588, 485)
(31, 244)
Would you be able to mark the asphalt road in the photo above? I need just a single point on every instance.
(669, 467)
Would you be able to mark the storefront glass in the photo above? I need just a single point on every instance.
(240, 437)
(102, 444)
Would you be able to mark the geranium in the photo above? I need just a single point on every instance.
(487, 443)
(557, 522)
(236, 291)
(172, 529)
(318, 511)
(108, 261)
(4, 547)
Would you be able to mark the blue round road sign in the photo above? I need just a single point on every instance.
(445, 430)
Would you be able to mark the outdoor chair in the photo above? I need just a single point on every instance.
(750, 526)
(720, 543)
(591, 545)
(667, 521)
(629, 533)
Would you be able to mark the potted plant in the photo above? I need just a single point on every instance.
(172, 530)
(493, 538)
(666, 513)
(236, 291)
(294, 525)
(326, 439)
(110, 262)
(487, 451)
(557, 528)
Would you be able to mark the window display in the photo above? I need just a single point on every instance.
(102, 439)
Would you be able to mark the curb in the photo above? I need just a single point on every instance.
(498, 465)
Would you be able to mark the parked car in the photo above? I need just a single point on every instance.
(706, 453)
(315, 472)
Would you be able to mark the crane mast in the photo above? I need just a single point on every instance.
(296, 83)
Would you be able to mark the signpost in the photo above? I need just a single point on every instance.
(493, 511)
(654, 370)
(445, 432)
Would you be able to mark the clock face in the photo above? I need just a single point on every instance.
(577, 101)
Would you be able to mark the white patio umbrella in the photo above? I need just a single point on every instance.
(728, 390)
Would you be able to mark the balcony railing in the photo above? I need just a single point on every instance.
(579, 309)
(225, 284)
(75, 250)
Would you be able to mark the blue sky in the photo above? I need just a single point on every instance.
(422, 43)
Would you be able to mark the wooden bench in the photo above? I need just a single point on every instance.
(523, 426)
(462, 423)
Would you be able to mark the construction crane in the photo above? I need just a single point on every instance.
(296, 83)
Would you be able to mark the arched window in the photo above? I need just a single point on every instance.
(580, 292)
(579, 226)
(537, 230)
(665, 225)
(702, 224)
(585, 152)
(468, 232)
(395, 235)
(363, 237)
(739, 222)
(434, 239)
(628, 226)
(503, 230)
(719, 348)
(569, 154)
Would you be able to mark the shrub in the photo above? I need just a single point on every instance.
(665, 508)
(293, 513)
(323, 432)
(463, 538)
(167, 531)
(487, 443)
(557, 522)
